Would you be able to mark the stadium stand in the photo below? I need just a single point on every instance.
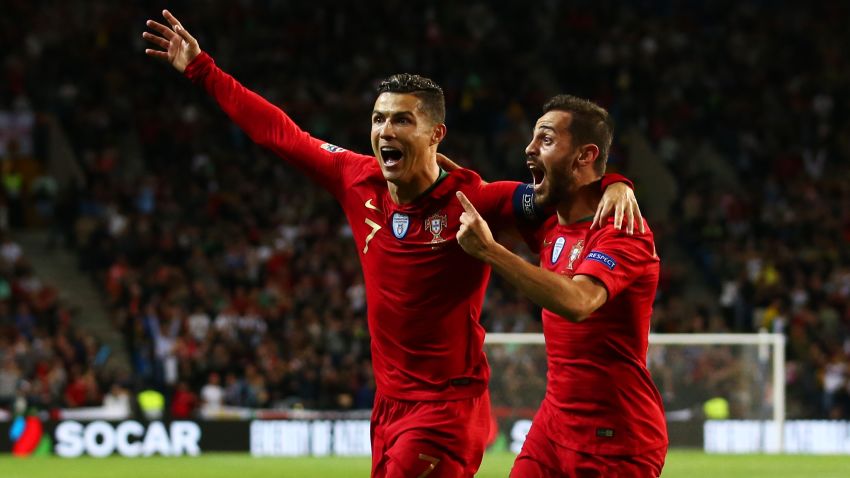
(46, 361)
(217, 260)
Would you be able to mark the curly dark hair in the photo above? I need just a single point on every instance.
(428, 91)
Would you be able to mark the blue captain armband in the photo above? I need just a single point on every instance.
(524, 206)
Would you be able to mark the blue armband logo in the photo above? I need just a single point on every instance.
(603, 258)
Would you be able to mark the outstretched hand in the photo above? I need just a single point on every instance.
(619, 199)
(178, 47)
(474, 235)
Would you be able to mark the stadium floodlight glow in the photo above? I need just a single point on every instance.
(763, 340)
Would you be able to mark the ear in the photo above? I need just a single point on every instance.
(438, 134)
(589, 153)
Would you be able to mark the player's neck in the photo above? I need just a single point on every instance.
(418, 183)
(580, 205)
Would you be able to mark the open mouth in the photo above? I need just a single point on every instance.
(537, 175)
(391, 156)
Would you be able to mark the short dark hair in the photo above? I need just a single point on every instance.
(429, 92)
(591, 124)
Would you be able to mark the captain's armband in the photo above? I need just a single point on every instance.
(525, 207)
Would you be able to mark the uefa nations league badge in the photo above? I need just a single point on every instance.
(400, 223)
(557, 248)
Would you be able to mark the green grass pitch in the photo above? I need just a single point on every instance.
(680, 464)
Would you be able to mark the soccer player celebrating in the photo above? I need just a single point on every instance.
(424, 294)
(602, 415)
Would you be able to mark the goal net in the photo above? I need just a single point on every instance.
(713, 386)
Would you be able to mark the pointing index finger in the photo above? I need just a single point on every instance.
(467, 206)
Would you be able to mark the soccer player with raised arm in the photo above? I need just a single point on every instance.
(602, 415)
(431, 415)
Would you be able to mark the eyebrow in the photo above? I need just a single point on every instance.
(544, 126)
(393, 113)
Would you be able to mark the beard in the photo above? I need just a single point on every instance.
(558, 187)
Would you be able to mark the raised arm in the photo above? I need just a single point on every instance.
(266, 124)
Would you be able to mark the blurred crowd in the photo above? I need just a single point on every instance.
(46, 362)
(234, 279)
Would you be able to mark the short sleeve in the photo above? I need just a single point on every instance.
(617, 259)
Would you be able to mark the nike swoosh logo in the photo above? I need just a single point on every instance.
(546, 243)
(369, 205)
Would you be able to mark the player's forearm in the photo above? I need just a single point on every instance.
(266, 124)
(561, 295)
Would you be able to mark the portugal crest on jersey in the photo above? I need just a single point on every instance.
(400, 225)
(435, 224)
(557, 248)
(575, 252)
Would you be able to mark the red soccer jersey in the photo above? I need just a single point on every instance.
(424, 294)
(597, 377)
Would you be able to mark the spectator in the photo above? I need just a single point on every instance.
(183, 402)
(736, 103)
(212, 395)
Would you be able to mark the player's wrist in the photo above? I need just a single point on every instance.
(198, 65)
(492, 252)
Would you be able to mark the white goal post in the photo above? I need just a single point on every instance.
(775, 341)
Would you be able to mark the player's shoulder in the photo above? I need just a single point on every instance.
(608, 227)
(473, 185)
(327, 148)
(465, 178)
(366, 161)
(355, 165)
(608, 233)
(611, 246)
(332, 148)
